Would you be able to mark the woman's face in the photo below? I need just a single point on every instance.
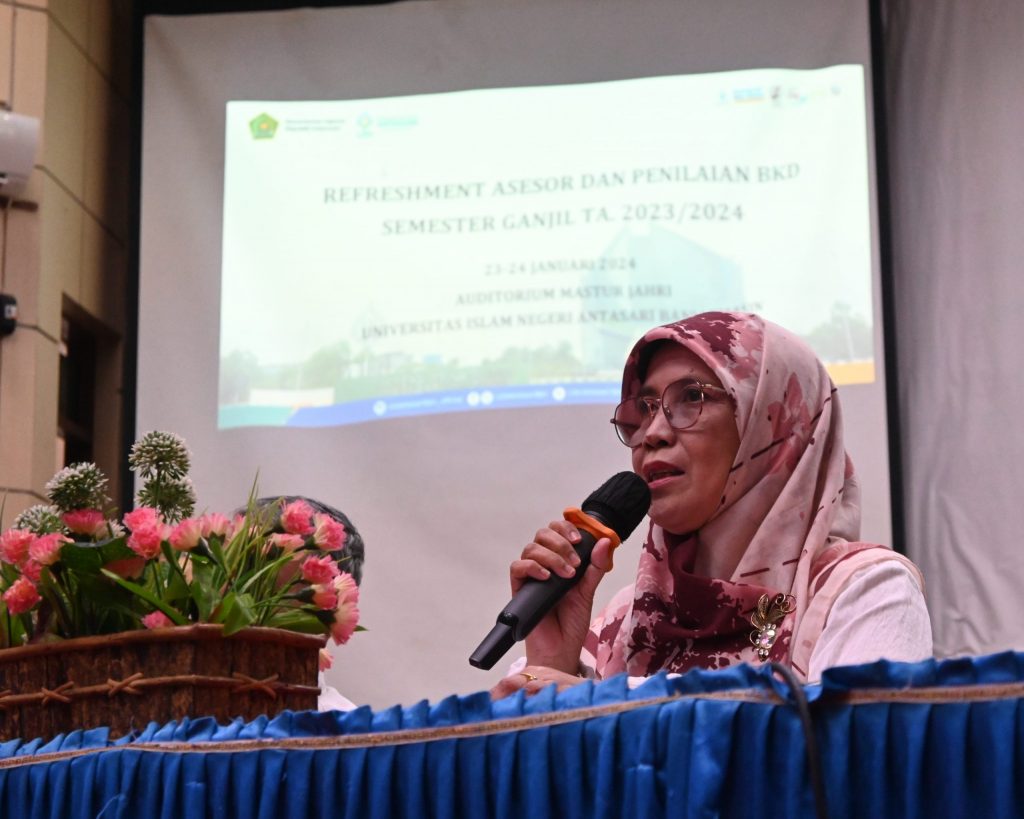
(687, 469)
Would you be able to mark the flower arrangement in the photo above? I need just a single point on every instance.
(68, 570)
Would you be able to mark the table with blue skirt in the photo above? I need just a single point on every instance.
(929, 739)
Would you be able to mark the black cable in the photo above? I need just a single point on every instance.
(810, 738)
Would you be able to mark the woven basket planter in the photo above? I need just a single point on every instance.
(124, 681)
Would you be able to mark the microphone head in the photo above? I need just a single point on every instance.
(620, 503)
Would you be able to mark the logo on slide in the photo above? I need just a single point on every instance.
(263, 127)
(365, 124)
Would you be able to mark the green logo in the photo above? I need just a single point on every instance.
(263, 127)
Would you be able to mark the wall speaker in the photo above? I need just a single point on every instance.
(19, 138)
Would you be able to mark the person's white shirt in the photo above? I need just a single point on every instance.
(882, 598)
(330, 698)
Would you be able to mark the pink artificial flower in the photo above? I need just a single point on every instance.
(142, 518)
(346, 618)
(14, 545)
(145, 541)
(21, 596)
(329, 535)
(319, 569)
(345, 585)
(33, 570)
(185, 536)
(45, 550)
(325, 597)
(346, 614)
(88, 522)
(235, 526)
(289, 543)
(297, 518)
(326, 660)
(157, 619)
(214, 525)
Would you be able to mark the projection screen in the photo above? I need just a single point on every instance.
(392, 257)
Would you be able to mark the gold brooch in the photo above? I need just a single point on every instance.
(766, 620)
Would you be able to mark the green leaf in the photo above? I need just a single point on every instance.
(217, 552)
(177, 590)
(235, 612)
(204, 587)
(176, 587)
(90, 558)
(115, 549)
(83, 558)
(273, 567)
(102, 607)
(176, 617)
(297, 620)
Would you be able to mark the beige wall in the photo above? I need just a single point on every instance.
(65, 247)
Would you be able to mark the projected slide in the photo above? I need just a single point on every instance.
(505, 247)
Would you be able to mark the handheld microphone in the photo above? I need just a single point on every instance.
(613, 510)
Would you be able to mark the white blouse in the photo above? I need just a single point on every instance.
(880, 614)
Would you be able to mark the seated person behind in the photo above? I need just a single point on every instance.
(753, 552)
(349, 558)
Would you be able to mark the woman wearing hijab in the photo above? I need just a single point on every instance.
(753, 553)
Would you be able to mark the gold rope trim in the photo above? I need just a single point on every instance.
(408, 736)
(939, 694)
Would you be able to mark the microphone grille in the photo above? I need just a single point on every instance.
(620, 502)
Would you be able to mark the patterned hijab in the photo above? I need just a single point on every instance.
(791, 496)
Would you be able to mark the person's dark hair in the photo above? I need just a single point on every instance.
(353, 553)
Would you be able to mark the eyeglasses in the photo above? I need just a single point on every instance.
(682, 402)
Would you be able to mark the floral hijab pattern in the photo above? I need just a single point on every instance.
(791, 496)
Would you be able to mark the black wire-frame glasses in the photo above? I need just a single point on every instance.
(682, 402)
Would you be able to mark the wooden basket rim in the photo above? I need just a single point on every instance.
(195, 632)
